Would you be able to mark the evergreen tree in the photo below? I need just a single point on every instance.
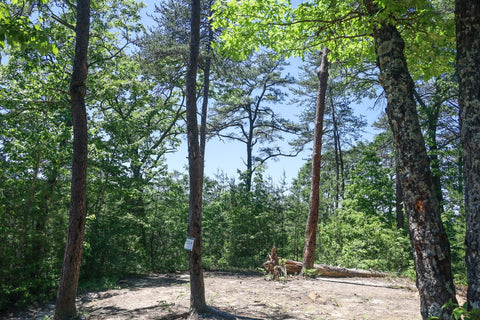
(244, 110)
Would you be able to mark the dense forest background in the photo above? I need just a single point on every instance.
(137, 209)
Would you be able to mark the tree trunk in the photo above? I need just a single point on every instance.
(339, 184)
(206, 86)
(312, 221)
(433, 115)
(467, 14)
(67, 290)
(399, 199)
(195, 161)
(249, 146)
(250, 141)
(431, 249)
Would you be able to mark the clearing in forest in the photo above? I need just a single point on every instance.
(250, 296)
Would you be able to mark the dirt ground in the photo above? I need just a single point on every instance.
(249, 296)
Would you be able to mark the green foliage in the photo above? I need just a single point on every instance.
(309, 273)
(244, 109)
(466, 313)
(345, 27)
(34, 157)
(296, 211)
(137, 212)
(455, 227)
(18, 30)
(371, 189)
(357, 240)
(254, 225)
(128, 234)
(461, 312)
(35, 149)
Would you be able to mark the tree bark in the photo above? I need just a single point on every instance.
(67, 291)
(249, 146)
(433, 115)
(467, 13)
(206, 85)
(431, 248)
(312, 221)
(195, 161)
(399, 199)
(339, 170)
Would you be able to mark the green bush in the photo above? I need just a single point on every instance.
(357, 240)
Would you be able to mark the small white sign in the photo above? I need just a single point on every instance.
(189, 243)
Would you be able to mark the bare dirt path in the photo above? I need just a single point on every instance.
(250, 296)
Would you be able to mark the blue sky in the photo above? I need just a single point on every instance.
(228, 156)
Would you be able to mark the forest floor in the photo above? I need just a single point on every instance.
(249, 296)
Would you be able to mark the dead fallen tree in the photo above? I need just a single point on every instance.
(282, 267)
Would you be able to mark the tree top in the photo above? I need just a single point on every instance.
(345, 27)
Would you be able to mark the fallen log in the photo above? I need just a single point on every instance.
(282, 267)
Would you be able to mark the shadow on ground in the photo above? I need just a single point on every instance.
(154, 281)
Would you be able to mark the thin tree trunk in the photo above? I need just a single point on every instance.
(431, 248)
(206, 87)
(399, 199)
(249, 146)
(435, 165)
(312, 221)
(467, 14)
(195, 160)
(336, 144)
(67, 291)
(340, 170)
(433, 114)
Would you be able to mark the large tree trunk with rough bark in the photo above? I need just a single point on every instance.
(467, 14)
(195, 161)
(431, 248)
(312, 221)
(65, 306)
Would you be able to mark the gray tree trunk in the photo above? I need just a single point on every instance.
(67, 291)
(467, 14)
(431, 249)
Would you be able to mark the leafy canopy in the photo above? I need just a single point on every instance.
(18, 30)
(346, 27)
